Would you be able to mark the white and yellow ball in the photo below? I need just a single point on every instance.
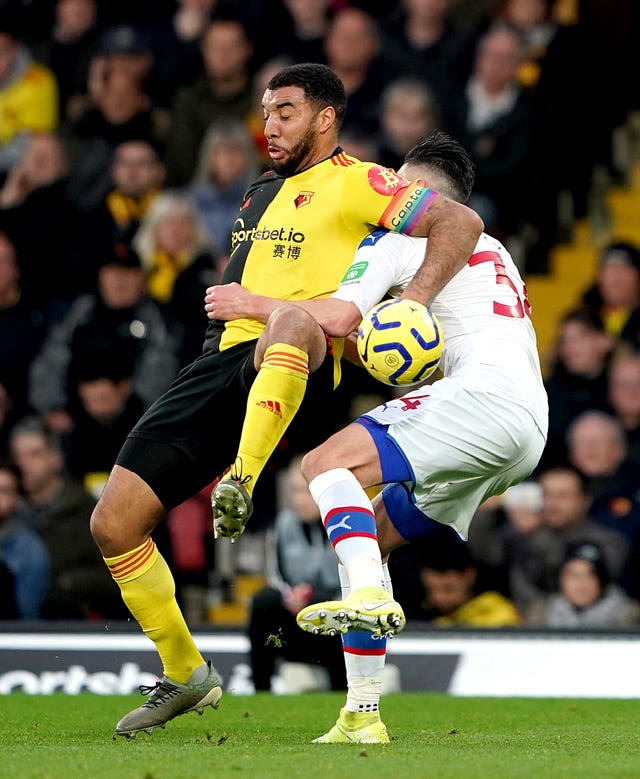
(400, 342)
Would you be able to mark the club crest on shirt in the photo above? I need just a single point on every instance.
(303, 198)
(385, 181)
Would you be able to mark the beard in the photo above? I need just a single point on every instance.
(298, 155)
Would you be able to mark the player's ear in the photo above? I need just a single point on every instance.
(326, 119)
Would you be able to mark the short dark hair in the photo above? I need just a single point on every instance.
(449, 158)
(571, 470)
(592, 553)
(34, 425)
(319, 83)
(155, 144)
(583, 315)
(623, 252)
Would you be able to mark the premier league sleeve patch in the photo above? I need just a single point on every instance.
(356, 271)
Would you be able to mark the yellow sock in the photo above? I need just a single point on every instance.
(274, 399)
(148, 589)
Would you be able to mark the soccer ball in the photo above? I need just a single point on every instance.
(400, 342)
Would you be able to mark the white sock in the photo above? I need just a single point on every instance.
(364, 659)
(350, 523)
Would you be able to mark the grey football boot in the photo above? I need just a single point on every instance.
(232, 505)
(169, 699)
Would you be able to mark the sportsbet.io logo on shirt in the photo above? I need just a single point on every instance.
(355, 271)
(286, 239)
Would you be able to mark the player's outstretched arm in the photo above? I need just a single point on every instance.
(233, 301)
(453, 230)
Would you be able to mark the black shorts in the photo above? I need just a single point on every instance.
(190, 435)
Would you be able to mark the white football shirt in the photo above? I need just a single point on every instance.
(489, 339)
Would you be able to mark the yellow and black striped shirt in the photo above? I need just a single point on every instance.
(295, 237)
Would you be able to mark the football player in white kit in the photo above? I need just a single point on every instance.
(441, 449)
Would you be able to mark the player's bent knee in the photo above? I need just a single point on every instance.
(101, 529)
(306, 468)
(126, 513)
(291, 324)
(316, 462)
(110, 532)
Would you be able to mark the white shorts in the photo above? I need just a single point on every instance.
(462, 444)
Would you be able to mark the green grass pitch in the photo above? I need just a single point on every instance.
(264, 736)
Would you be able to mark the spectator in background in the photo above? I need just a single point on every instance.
(35, 209)
(223, 91)
(420, 39)
(497, 530)
(119, 110)
(228, 164)
(630, 334)
(535, 555)
(448, 575)
(566, 504)
(585, 597)
(44, 162)
(623, 393)
(353, 51)
(492, 119)
(309, 22)
(151, 58)
(615, 296)
(28, 94)
(598, 449)
(302, 569)
(23, 554)
(175, 252)
(408, 112)
(534, 21)
(175, 40)
(137, 177)
(119, 318)
(107, 410)
(125, 50)
(577, 381)
(22, 329)
(78, 585)
(68, 51)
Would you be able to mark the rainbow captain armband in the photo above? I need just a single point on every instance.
(407, 208)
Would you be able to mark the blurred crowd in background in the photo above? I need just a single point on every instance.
(128, 134)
